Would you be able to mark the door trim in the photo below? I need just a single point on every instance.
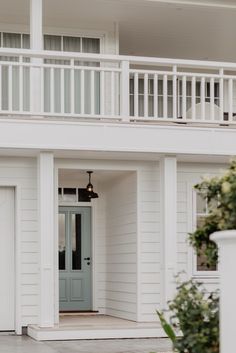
(93, 206)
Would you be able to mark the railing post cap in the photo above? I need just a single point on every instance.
(224, 236)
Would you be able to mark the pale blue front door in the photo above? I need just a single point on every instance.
(74, 258)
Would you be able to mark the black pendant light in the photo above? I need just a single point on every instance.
(89, 188)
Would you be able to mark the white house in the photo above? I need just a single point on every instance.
(142, 93)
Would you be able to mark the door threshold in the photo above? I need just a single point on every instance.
(78, 313)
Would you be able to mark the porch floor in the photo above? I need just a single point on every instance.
(75, 327)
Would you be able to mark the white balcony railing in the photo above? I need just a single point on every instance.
(72, 85)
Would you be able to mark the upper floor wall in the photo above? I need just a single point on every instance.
(201, 30)
(89, 81)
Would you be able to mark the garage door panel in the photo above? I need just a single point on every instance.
(7, 256)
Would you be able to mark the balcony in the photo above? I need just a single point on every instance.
(94, 87)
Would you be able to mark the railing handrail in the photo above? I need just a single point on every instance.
(137, 60)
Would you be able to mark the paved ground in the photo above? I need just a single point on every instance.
(24, 344)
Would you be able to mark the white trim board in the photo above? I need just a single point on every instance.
(116, 137)
(211, 4)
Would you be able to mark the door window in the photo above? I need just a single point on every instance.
(76, 241)
(62, 242)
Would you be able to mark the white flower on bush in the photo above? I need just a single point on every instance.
(226, 187)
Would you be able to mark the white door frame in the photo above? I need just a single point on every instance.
(17, 253)
(93, 252)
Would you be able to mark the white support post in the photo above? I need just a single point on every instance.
(226, 241)
(124, 87)
(168, 187)
(46, 236)
(36, 43)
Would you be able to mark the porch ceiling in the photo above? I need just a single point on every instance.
(150, 28)
(153, 28)
(75, 175)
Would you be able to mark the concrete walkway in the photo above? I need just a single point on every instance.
(24, 344)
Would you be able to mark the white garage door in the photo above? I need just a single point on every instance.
(7, 259)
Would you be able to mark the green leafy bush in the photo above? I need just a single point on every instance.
(220, 193)
(194, 314)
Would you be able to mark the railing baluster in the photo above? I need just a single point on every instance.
(10, 88)
(82, 92)
(42, 90)
(203, 95)
(165, 96)
(193, 98)
(212, 99)
(62, 93)
(230, 95)
(102, 93)
(184, 97)
(31, 94)
(146, 95)
(178, 98)
(0, 87)
(92, 101)
(136, 110)
(174, 92)
(221, 94)
(155, 93)
(21, 85)
(72, 87)
(112, 94)
(52, 89)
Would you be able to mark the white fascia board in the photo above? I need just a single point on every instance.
(114, 137)
(207, 3)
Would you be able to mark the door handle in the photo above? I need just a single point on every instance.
(87, 258)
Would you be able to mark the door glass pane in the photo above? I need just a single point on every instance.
(62, 242)
(76, 241)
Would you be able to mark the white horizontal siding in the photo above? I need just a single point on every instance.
(23, 172)
(149, 234)
(120, 265)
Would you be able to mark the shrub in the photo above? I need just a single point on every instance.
(194, 314)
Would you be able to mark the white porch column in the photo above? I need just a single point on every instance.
(46, 234)
(226, 241)
(168, 197)
(36, 43)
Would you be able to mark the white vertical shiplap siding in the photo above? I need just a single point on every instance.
(121, 246)
(23, 172)
(190, 174)
(149, 241)
(100, 251)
